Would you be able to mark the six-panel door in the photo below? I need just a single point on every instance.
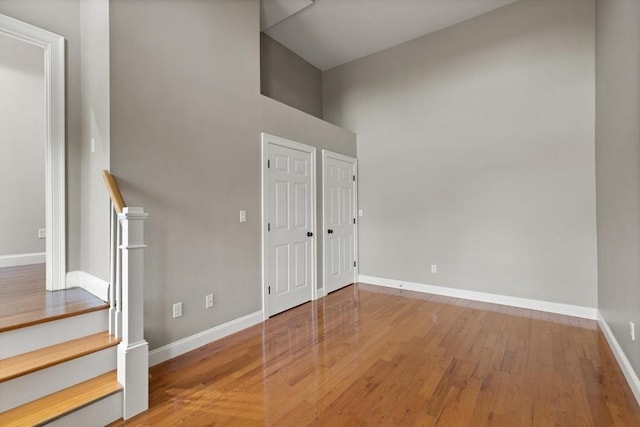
(339, 216)
(289, 210)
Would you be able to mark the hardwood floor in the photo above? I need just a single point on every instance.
(374, 356)
(24, 300)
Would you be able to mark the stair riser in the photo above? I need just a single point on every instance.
(100, 413)
(33, 386)
(23, 340)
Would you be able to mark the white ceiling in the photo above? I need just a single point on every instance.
(274, 11)
(329, 33)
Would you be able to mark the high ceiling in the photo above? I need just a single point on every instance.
(328, 33)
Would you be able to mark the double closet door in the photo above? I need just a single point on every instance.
(289, 210)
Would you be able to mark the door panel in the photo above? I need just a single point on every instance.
(289, 210)
(339, 215)
(281, 262)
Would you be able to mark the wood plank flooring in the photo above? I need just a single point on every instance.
(373, 356)
(24, 300)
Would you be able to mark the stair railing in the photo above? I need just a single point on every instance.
(126, 299)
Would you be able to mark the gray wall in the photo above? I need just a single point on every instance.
(62, 17)
(186, 117)
(94, 17)
(21, 147)
(288, 78)
(476, 153)
(618, 168)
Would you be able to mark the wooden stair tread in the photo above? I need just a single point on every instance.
(32, 361)
(27, 303)
(55, 405)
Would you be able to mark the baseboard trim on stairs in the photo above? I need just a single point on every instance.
(88, 282)
(625, 366)
(23, 259)
(532, 304)
(192, 342)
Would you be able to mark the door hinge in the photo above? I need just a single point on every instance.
(354, 220)
(354, 177)
(269, 287)
(354, 263)
(268, 163)
(268, 226)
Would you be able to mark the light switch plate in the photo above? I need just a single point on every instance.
(243, 216)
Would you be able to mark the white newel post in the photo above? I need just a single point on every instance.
(133, 350)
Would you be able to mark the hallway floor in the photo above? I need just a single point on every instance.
(24, 301)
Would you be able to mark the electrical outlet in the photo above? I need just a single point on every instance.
(632, 329)
(42, 233)
(434, 268)
(360, 212)
(243, 216)
(177, 310)
(208, 301)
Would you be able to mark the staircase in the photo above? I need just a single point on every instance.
(89, 367)
(61, 371)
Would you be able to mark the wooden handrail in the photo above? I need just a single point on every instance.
(114, 191)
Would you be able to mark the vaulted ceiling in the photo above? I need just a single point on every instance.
(328, 33)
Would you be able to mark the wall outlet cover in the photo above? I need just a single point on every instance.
(177, 310)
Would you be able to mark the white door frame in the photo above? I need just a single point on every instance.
(54, 87)
(266, 140)
(325, 155)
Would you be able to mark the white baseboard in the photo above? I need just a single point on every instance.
(184, 345)
(89, 283)
(23, 259)
(532, 304)
(629, 374)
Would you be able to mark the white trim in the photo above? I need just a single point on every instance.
(532, 304)
(625, 366)
(101, 412)
(354, 162)
(54, 79)
(23, 259)
(88, 282)
(265, 140)
(34, 337)
(192, 342)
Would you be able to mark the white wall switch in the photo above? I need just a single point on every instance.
(632, 327)
(93, 145)
(177, 310)
(42, 233)
(208, 301)
(243, 216)
(360, 212)
(434, 268)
